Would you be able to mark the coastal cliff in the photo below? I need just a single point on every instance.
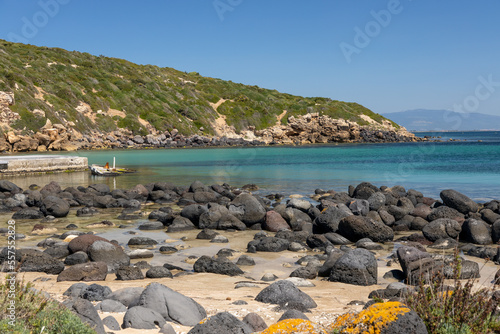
(53, 99)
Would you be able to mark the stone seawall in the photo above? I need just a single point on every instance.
(41, 164)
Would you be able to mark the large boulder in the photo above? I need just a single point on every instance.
(87, 313)
(113, 255)
(364, 190)
(95, 292)
(458, 201)
(476, 232)
(329, 219)
(441, 229)
(218, 217)
(140, 317)
(172, 305)
(358, 267)
(221, 266)
(127, 296)
(222, 323)
(83, 242)
(417, 265)
(390, 317)
(7, 186)
(36, 261)
(285, 293)
(355, 228)
(54, 206)
(193, 212)
(275, 223)
(129, 273)
(444, 211)
(248, 209)
(92, 271)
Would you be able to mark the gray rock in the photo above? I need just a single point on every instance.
(476, 232)
(27, 213)
(127, 296)
(255, 321)
(111, 254)
(248, 209)
(110, 305)
(111, 323)
(285, 293)
(360, 207)
(149, 226)
(220, 239)
(158, 272)
(76, 258)
(269, 244)
(167, 329)
(181, 224)
(292, 314)
(54, 206)
(269, 277)
(358, 267)
(93, 271)
(139, 254)
(328, 221)
(298, 203)
(128, 273)
(74, 290)
(142, 241)
(87, 313)
(32, 260)
(442, 228)
(355, 228)
(172, 305)
(221, 266)
(417, 265)
(222, 323)
(95, 292)
(245, 260)
(142, 318)
(458, 201)
(376, 201)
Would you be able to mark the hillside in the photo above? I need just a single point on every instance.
(93, 97)
(444, 120)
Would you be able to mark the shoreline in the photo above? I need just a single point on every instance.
(314, 229)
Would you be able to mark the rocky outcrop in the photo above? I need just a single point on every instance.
(313, 128)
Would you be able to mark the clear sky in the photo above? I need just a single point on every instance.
(388, 55)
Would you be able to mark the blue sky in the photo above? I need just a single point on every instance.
(416, 54)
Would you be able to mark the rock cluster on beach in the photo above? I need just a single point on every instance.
(345, 230)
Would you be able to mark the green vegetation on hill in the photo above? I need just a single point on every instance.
(164, 97)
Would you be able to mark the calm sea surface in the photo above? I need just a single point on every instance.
(471, 166)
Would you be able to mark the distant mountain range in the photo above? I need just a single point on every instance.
(444, 120)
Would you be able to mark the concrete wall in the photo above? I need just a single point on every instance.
(40, 164)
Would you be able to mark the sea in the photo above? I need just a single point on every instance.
(468, 162)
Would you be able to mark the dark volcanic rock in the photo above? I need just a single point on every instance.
(269, 244)
(181, 224)
(441, 228)
(109, 253)
(142, 241)
(172, 305)
(83, 242)
(221, 266)
(92, 271)
(158, 272)
(54, 206)
(275, 223)
(76, 258)
(358, 267)
(476, 232)
(28, 213)
(222, 323)
(358, 227)
(285, 293)
(128, 273)
(417, 265)
(95, 292)
(87, 313)
(142, 318)
(458, 201)
(328, 220)
(248, 209)
(219, 217)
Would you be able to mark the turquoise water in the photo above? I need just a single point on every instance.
(470, 167)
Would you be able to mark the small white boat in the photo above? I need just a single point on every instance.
(109, 171)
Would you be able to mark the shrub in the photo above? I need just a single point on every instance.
(454, 309)
(36, 313)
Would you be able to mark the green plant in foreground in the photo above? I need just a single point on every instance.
(35, 313)
(456, 309)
